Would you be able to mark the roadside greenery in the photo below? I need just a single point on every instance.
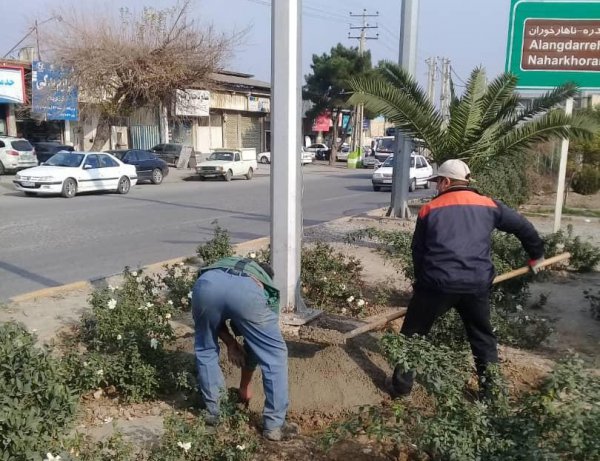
(216, 248)
(36, 403)
(486, 126)
(559, 420)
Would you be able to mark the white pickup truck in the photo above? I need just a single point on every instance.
(227, 163)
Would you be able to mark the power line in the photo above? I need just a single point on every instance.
(458, 76)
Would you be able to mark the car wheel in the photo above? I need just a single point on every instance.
(69, 189)
(228, 175)
(157, 176)
(249, 174)
(30, 194)
(124, 185)
(427, 185)
(264, 160)
(413, 185)
(202, 178)
(376, 188)
(2, 169)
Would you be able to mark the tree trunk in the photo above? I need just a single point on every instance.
(102, 133)
(334, 147)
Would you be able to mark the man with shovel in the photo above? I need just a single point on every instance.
(242, 291)
(451, 252)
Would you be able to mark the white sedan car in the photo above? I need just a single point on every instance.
(305, 157)
(420, 170)
(67, 173)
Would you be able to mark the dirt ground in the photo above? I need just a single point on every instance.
(327, 382)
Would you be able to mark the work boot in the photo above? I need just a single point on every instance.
(287, 431)
(211, 420)
(401, 382)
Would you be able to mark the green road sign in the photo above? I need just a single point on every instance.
(552, 42)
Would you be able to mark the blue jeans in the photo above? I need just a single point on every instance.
(218, 296)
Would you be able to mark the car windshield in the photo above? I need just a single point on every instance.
(389, 161)
(226, 156)
(65, 159)
(385, 145)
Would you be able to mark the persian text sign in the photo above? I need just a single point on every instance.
(192, 103)
(569, 44)
(53, 92)
(553, 42)
(12, 85)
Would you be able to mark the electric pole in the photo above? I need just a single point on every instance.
(431, 73)
(409, 18)
(445, 90)
(362, 38)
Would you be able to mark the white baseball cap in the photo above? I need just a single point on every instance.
(452, 169)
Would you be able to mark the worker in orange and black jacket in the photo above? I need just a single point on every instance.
(451, 252)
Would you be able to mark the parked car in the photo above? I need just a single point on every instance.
(420, 171)
(148, 166)
(68, 173)
(264, 157)
(342, 155)
(227, 163)
(16, 154)
(45, 150)
(370, 161)
(306, 156)
(320, 151)
(169, 152)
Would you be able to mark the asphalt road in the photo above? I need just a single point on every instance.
(50, 241)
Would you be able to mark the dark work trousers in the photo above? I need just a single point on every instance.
(474, 310)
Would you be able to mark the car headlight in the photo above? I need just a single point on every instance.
(46, 178)
(219, 168)
(378, 175)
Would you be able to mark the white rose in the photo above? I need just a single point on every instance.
(168, 316)
(134, 274)
(252, 255)
(190, 295)
(49, 457)
(344, 310)
(100, 372)
(360, 302)
(241, 447)
(184, 445)
(119, 337)
(169, 302)
(153, 343)
(350, 299)
(112, 303)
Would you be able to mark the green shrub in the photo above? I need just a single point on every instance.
(233, 439)
(178, 281)
(331, 280)
(126, 335)
(558, 421)
(36, 403)
(504, 178)
(585, 256)
(587, 181)
(216, 248)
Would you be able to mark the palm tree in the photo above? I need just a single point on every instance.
(485, 123)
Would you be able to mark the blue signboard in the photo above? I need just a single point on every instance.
(53, 93)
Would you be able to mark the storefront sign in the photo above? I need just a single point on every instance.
(192, 103)
(322, 122)
(53, 92)
(12, 85)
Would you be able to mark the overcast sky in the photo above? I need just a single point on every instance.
(468, 32)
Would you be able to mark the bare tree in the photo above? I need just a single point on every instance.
(133, 59)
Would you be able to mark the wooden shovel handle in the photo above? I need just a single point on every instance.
(527, 269)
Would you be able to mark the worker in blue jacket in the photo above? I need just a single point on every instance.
(241, 291)
(451, 251)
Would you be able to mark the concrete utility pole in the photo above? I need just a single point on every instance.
(286, 187)
(409, 19)
(358, 121)
(562, 172)
(431, 73)
(445, 90)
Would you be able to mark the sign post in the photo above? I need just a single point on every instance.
(551, 43)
